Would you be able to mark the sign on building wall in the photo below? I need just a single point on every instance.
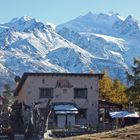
(63, 83)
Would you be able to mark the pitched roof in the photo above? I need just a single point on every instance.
(25, 75)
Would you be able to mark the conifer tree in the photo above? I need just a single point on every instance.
(105, 87)
(118, 92)
(113, 91)
(7, 96)
(133, 92)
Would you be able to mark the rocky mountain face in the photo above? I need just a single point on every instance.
(91, 42)
(27, 45)
(108, 37)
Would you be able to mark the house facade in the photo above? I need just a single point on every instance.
(74, 96)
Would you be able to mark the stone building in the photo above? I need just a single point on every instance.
(74, 96)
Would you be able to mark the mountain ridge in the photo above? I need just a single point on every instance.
(114, 41)
(28, 45)
(34, 48)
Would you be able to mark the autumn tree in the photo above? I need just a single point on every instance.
(118, 92)
(133, 78)
(112, 90)
(105, 87)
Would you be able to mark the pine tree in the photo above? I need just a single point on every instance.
(133, 92)
(7, 97)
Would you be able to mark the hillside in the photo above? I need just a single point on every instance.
(127, 133)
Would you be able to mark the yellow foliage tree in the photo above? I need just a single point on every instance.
(113, 91)
(105, 87)
(118, 92)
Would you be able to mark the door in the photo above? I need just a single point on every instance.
(61, 121)
(71, 120)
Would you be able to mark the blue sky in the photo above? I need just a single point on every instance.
(60, 11)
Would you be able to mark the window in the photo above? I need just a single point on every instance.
(82, 114)
(80, 93)
(43, 81)
(45, 92)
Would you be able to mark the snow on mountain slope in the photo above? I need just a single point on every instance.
(27, 45)
(97, 23)
(96, 41)
(108, 24)
(130, 28)
(109, 37)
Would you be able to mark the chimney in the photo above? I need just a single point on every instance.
(17, 80)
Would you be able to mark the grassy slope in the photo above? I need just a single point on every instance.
(127, 133)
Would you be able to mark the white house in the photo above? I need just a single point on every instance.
(74, 96)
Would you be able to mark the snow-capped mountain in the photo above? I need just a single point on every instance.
(91, 42)
(28, 45)
(108, 24)
(130, 28)
(109, 37)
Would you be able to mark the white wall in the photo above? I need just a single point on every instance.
(30, 92)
